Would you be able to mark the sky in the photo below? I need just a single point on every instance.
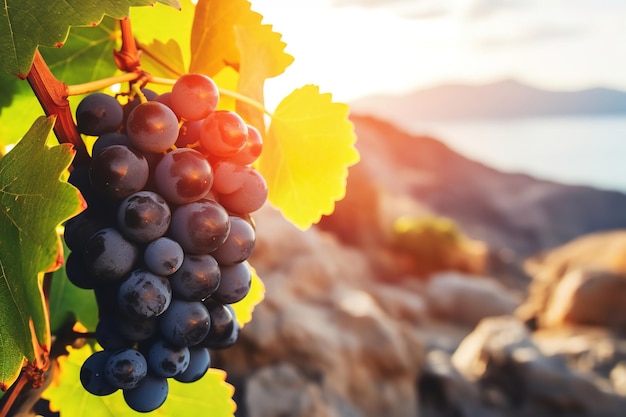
(354, 48)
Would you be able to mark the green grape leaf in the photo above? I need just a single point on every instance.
(68, 302)
(306, 155)
(87, 54)
(244, 308)
(210, 396)
(33, 202)
(27, 24)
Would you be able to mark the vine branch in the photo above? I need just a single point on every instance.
(52, 95)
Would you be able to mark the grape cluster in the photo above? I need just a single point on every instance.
(166, 236)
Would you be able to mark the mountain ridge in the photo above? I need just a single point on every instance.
(498, 100)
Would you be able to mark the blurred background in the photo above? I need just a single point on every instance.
(477, 266)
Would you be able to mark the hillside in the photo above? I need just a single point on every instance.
(501, 100)
(415, 174)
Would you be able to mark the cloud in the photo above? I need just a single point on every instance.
(481, 9)
(537, 34)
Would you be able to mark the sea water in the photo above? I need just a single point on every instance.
(574, 150)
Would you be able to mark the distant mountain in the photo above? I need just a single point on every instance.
(505, 99)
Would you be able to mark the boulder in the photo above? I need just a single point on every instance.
(513, 373)
(466, 299)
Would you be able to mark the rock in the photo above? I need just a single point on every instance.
(588, 296)
(466, 300)
(596, 252)
(501, 356)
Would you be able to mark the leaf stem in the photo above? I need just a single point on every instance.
(9, 399)
(245, 99)
(91, 86)
(52, 95)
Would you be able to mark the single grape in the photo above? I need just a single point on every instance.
(133, 102)
(251, 150)
(167, 360)
(109, 256)
(143, 216)
(138, 330)
(149, 395)
(163, 256)
(125, 368)
(224, 133)
(250, 197)
(194, 96)
(183, 176)
(200, 227)
(144, 294)
(197, 278)
(109, 139)
(223, 326)
(239, 244)
(235, 283)
(92, 374)
(118, 171)
(98, 113)
(77, 272)
(199, 364)
(228, 176)
(79, 229)
(152, 127)
(108, 334)
(189, 133)
(185, 323)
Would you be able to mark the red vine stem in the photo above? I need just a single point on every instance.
(52, 95)
(12, 395)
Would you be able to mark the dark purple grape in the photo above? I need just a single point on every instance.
(118, 171)
(166, 359)
(98, 206)
(149, 395)
(196, 279)
(185, 323)
(183, 176)
(77, 272)
(143, 216)
(79, 229)
(163, 256)
(223, 325)
(109, 139)
(238, 245)
(144, 294)
(108, 334)
(199, 364)
(189, 133)
(133, 102)
(200, 227)
(109, 256)
(235, 283)
(92, 374)
(125, 368)
(98, 113)
(138, 330)
(152, 127)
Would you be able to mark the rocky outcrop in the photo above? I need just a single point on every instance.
(582, 282)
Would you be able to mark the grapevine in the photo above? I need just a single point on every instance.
(163, 230)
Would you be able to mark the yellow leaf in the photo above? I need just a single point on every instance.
(227, 79)
(262, 57)
(306, 155)
(230, 34)
(213, 44)
(245, 307)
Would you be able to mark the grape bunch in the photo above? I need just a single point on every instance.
(165, 238)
